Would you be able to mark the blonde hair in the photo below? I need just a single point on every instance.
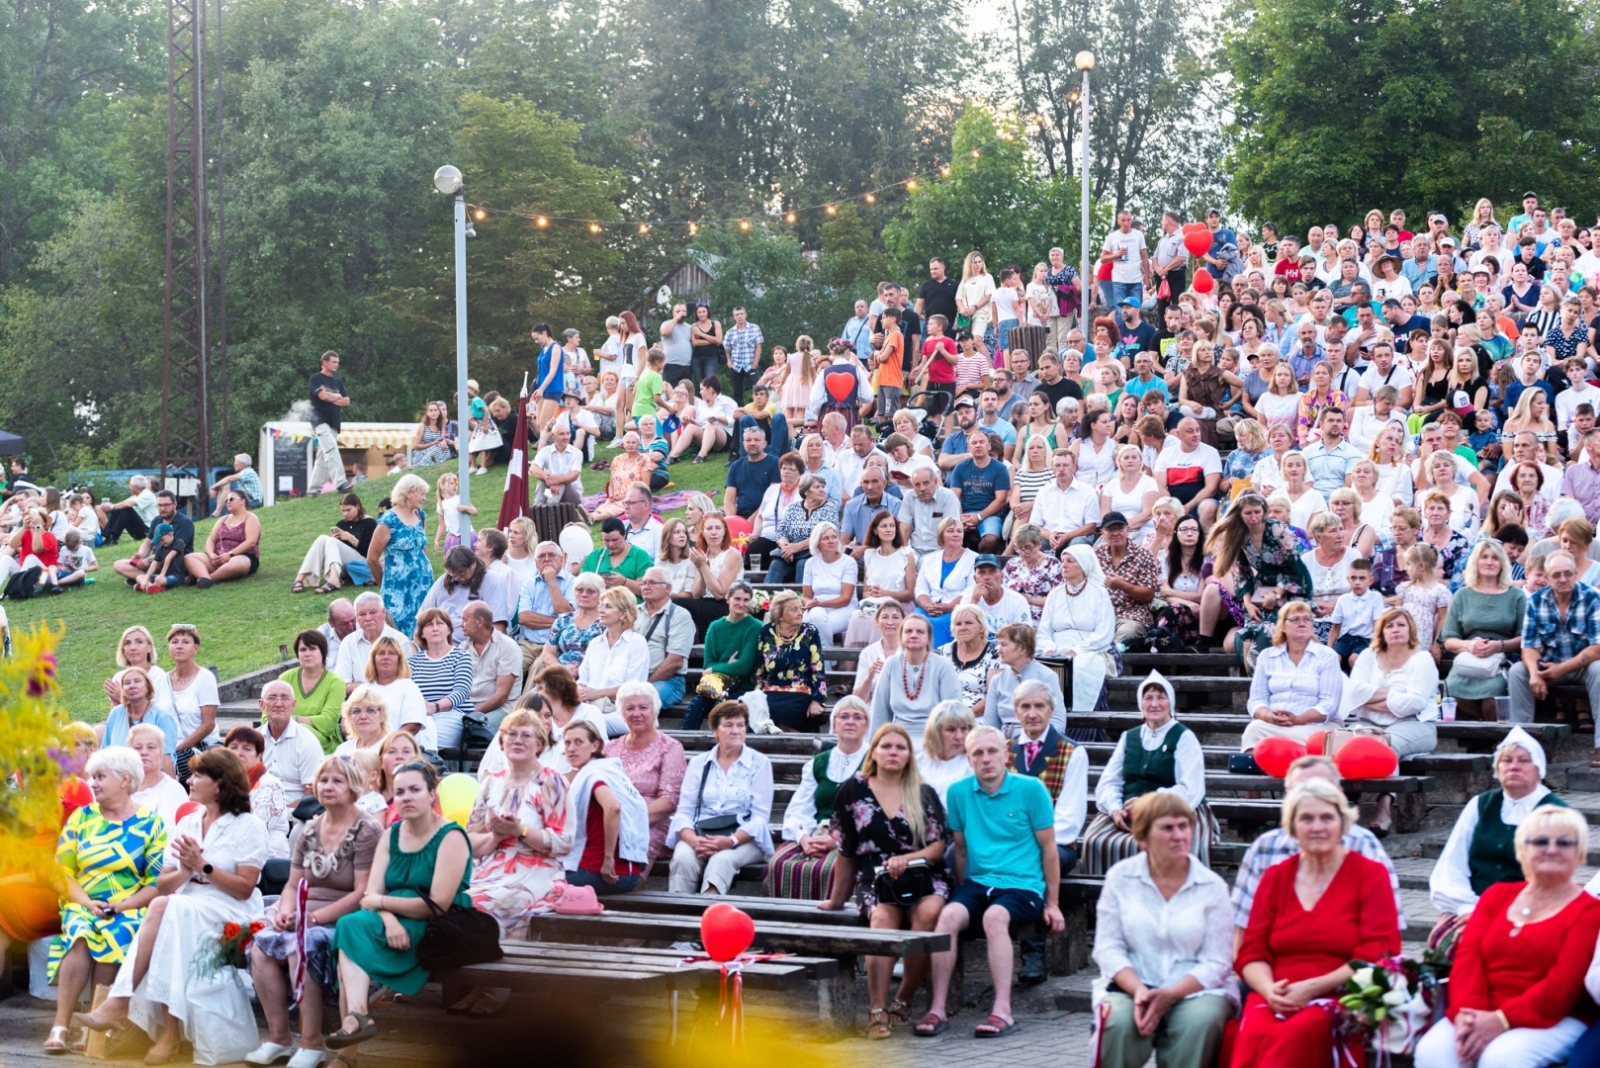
(1422, 559)
(1470, 575)
(370, 672)
(1250, 436)
(354, 777)
(910, 781)
(623, 601)
(407, 487)
(1379, 642)
(943, 715)
(779, 601)
(1349, 496)
(1280, 634)
(363, 695)
(122, 659)
(1558, 819)
(1318, 790)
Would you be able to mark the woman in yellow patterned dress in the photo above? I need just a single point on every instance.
(110, 853)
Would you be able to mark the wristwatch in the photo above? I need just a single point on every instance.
(207, 869)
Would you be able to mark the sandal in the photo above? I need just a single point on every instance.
(57, 1042)
(878, 1024)
(298, 587)
(365, 1029)
(994, 1027)
(899, 1012)
(930, 1026)
(326, 587)
(486, 1006)
(1585, 722)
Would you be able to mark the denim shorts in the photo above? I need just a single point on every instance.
(1025, 906)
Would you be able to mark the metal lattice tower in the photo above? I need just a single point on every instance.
(194, 340)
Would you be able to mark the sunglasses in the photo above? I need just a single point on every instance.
(1543, 842)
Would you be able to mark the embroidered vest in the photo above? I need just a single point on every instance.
(1492, 853)
(1051, 770)
(1147, 770)
(827, 789)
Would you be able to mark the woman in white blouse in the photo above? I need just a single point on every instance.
(618, 654)
(890, 614)
(1079, 622)
(1297, 685)
(829, 584)
(1463, 499)
(1131, 492)
(1392, 686)
(1163, 946)
(681, 572)
(944, 577)
(389, 675)
(1376, 507)
(975, 297)
(268, 800)
(943, 760)
(1328, 564)
(1304, 500)
(723, 809)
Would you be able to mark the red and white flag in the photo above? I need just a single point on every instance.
(515, 501)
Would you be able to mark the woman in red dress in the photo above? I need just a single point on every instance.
(1313, 913)
(1517, 986)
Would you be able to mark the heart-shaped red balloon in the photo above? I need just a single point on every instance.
(1366, 758)
(1203, 282)
(1274, 755)
(841, 385)
(738, 527)
(184, 810)
(726, 932)
(1198, 242)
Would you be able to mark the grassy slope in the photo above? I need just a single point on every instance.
(243, 623)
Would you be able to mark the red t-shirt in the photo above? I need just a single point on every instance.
(940, 371)
(42, 545)
(1289, 270)
(594, 844)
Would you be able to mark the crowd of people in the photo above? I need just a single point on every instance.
(1367, 466)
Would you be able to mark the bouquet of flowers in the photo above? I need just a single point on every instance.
(760, 602)
(1391, 1000)
(230, 950)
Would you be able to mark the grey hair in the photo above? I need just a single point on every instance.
(119, 760)
(244, 458)
(588, 580)
(140, 481)
(637, 688)
(1029, 687)
(368, 598)
(808, 481)
(945, 714)
(548, 545)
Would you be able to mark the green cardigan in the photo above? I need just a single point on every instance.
(322, 706)
(731, 647)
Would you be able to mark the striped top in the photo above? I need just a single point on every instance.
(449, 676)
(1031, 482)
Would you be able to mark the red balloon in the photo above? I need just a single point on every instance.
(1275, 755)
(726, 931)
(1366, 758)
(738, 527)
(184, 810)
(1203, 282)
(75, 793)
(841, 385)
(1318, 742)
(1191, 227)
(1198, 242)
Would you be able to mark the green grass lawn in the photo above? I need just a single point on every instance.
(243, 623)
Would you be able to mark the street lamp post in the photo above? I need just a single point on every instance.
(447, 180)
(1085, 63)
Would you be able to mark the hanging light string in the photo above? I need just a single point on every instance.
(743, 222)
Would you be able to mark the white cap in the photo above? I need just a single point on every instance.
(1518, 736)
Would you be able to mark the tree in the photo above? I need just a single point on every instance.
(996, 203)
(1148, 70)
(1354, 104)
(850, 261)
(765, 270)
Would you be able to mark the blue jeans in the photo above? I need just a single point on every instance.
(670, 690)
(1121, 291)
(783, 571)
(1003, 333)
(623, 885)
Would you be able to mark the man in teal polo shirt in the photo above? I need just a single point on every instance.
(1005, 853)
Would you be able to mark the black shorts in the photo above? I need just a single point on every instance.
(255, 564)
(1025, 906)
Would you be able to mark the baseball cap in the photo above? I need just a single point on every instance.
(161, 531)
(1131, 302)
(1214, 211)
(965, 402)
(987, 560)
(1113, 519)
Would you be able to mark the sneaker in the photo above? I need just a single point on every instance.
(132, 581)
(698, 460)
(343, 487)
(205, 583)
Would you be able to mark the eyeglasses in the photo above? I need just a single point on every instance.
(1543, 842)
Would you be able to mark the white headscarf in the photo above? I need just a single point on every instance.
(1155, 678)
(1091, 566)
(1518, 736)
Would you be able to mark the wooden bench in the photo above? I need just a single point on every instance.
(1463, 731)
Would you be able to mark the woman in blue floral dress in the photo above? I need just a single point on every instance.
(572, 632)
(398, 555)
(1262, 558)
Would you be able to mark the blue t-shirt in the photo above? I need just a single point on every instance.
(1001, 429)
(551, 356)
(117, 727)
(750, 481)
(979, 486)
(1000, 830)
(1139, 387)
(955, 443)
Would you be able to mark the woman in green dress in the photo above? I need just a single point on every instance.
(1484, 622)
(318, 692)
(423, 853)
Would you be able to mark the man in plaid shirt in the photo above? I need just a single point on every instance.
(1277, 844)
(1132, 576)
(1560, 637)
(743, 342)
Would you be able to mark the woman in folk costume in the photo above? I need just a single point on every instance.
(1481, 850)
(1079, 622)
(1162, 755)
(1042, 752)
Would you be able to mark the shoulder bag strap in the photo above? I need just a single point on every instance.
(705, 773)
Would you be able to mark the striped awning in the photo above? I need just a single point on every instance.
(377, 435)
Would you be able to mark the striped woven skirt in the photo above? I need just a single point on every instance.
(793, 875)
(1105, 844)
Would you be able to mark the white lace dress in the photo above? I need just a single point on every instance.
(215, 1008)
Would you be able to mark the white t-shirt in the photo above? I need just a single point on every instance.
(552, 462)
(1303, 509)
(70, 560)
(1127, 267)
(1005, 305)
(407, 705)
(1040, 296)
(186, 704)
(1011, 608)
(719, 410)
(1568, 399)
(827, 580)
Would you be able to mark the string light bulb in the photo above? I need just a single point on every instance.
(541, 222)
(744, 224)
(789, 218)
(945, 170)
(594, 228)
(693, 229)
(976, 154)
(911, 184)
(871, 199)
(644, 228)
(480, 215)
(832, 210)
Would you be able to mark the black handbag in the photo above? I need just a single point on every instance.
(711, 825)
(914, 884)
(458, 939)
(475, 731)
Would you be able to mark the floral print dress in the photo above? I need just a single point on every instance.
(1033, 581)
(1276, 564)
(513, 882)
(111, 861)
(571, 640)
(870, 836)
(407, 574)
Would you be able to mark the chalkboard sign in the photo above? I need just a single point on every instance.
(290, 460)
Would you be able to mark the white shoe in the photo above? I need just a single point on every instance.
(269, 1053)
(685, 947)
(308, 1058)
